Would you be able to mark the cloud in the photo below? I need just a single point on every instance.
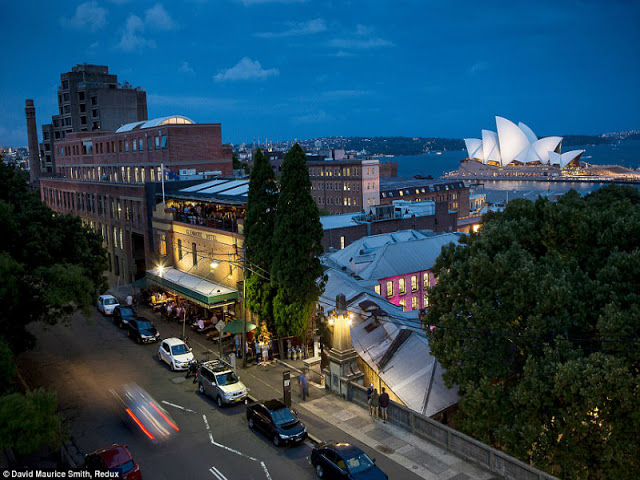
(193, 102)
(246, 69)
(317, 25)
(478, 67)
(132, 38)
(185, 68)
(361, 38)
(88, 16)
(158, 18)
(315, 117)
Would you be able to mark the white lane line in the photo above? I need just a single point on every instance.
(217, 473)
(206, 423)
(266, 472)
(211, 438)
(177, 406)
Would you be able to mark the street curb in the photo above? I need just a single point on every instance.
(313, 438)
(288, 366)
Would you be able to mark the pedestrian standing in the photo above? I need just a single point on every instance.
(129, 300)
(304, 385)
(369, 392)
(237, 341)
(256, 346)
(384, 404)
(375, 402)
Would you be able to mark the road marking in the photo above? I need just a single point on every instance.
(217, 473)
(206, 423)
(266, 472)
(178, 406)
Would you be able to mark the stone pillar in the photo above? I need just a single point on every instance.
(32, 135)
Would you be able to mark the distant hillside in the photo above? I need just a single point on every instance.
(577, 140)
(388, 145)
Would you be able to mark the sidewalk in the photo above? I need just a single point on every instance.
(327, 415)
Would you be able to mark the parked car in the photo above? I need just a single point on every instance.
(277, 421)
(218, 380)
(142, 413)
(122, 314)
(175, 353)
(142, 330)
(116, 459)
(106, 304)
(344, 460)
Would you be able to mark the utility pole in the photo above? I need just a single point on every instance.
(244, 306)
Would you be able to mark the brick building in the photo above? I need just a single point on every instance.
(342, 186)
(110, 180)
(90, 99)
(341, 231)
(454, 193)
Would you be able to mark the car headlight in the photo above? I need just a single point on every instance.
(284, 437)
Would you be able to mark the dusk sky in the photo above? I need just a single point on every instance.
(287, 69)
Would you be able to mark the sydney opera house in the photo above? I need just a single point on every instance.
(515, 145)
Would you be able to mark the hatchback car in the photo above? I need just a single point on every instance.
(116, 459)
(277, 421)
(344, 460)
(122, 314)
(218, 380)
(142, 330)
(175, 353)
(106, 304)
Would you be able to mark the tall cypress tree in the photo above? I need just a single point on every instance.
(297, 242)
(258, 231)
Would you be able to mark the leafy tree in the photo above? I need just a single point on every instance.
(51, 265)
(296, 247)
(7, 368)
(258, 231)
(29, 421)
(537, 320)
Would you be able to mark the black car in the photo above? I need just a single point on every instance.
(343, 460)
(277, 421)
(143, 331)
(122, 314)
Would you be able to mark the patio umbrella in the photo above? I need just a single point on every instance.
(236, 327)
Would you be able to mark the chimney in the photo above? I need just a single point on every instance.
(32, 135)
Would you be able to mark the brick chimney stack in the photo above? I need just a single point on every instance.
(32, 135)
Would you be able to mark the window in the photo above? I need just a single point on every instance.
(94, 113)
(126, 145)
(341, 243)
(65, 84)
(377, 289)
(134, 145)
(179, 249)
(65, 97)
(163, 142)
(94, 100)
(149, 143)
(403, 304)
(425, 300)
(157, 142)
(83, 108)
(81, 96)
(140, 144)
(401, 286)
(414, 283)
(414, 303)
(194, 253)
(390, 288)
(66, 109)
(425, 281)
(162, 244)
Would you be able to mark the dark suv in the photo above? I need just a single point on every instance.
(277, 421)
(218, 380)
(122, 314)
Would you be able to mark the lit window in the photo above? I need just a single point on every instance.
(390, 288)
(403, 304)
(414, 303)
(341, 243)
(414, 283)
(425, 300)
(377, 289)
(401, 286)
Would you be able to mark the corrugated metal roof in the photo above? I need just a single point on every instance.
(387, 255)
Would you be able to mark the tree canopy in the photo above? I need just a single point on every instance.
(537, 320)
(51, 265)
(297, 243)
(258, 230)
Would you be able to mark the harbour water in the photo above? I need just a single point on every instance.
(626, 154)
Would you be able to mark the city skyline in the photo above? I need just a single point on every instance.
(287, 69)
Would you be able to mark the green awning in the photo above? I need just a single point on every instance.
(196, 289)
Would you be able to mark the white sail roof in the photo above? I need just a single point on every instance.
(512, 140)
(490, 147)
(474, 148)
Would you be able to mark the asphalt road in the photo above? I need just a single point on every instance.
(83, 360)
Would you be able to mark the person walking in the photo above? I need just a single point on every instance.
(304, 385)
(237, 340)
(375, 402)
(369, 392)
(384, 404)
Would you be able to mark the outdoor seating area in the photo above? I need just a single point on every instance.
(207, 214)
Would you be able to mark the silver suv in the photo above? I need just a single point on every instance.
(218, 380)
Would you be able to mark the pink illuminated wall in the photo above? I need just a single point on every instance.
(416, 286)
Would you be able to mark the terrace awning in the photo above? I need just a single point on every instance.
(196, 289)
